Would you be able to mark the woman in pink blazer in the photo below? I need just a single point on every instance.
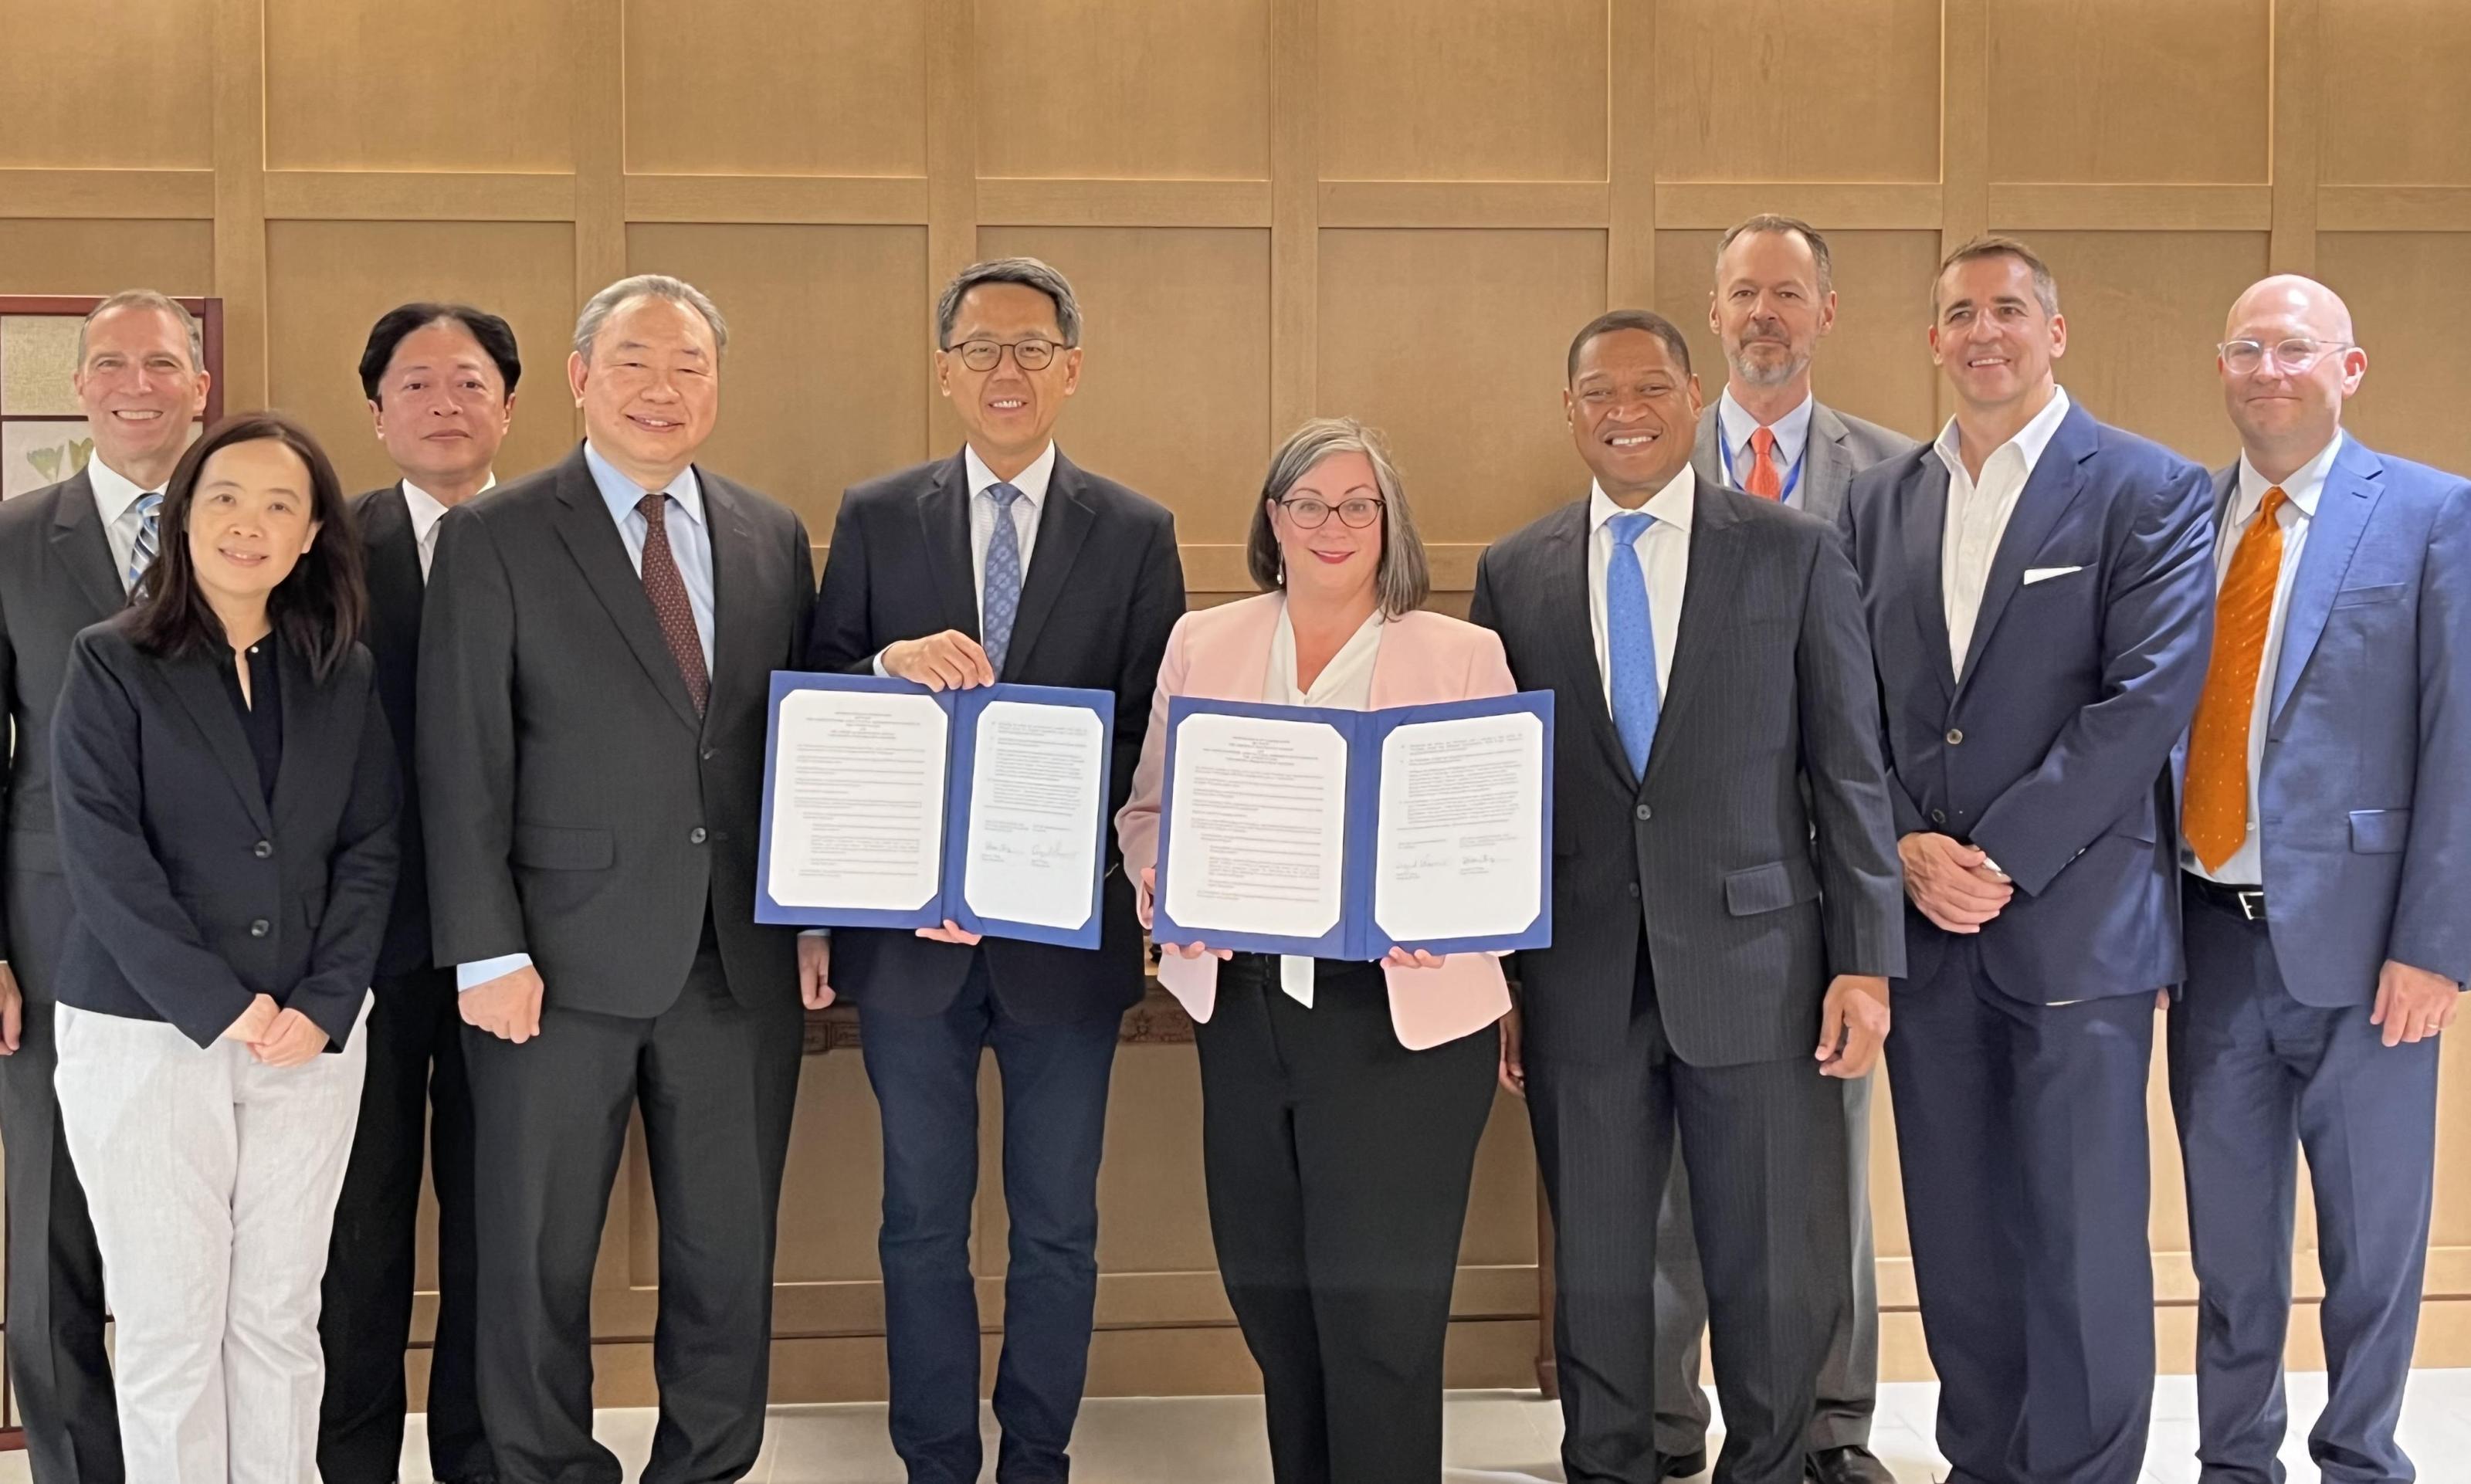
(1341, 1101)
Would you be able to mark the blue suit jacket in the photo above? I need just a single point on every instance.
(2052, 750)
(2365, 791)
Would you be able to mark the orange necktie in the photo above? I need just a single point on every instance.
(2215, 815)
(1763, 474)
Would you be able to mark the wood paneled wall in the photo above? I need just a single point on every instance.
(1395, 208)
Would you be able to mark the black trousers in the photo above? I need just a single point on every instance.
(717, 1083)
(1764, 1146)
(1338, 1164)
(415, 1098)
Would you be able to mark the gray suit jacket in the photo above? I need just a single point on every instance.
(1770, 727)
(1841, 446)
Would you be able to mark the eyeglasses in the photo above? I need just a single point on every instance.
(1313, 514)
(1030, 355)
(2296, 354)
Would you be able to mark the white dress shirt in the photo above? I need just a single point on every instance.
(2306, 485)
(1978, 514)
(1033, 483)
(1346, 684)
(1734, 426)
(427, 510)
(115, 501)
(1663, 559)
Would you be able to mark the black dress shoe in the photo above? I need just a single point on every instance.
(1850, 1464)
(1683, 1466)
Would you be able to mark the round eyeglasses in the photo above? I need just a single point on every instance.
(1030, 355)
(2295, 355)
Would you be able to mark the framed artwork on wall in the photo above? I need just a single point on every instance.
(44, 434)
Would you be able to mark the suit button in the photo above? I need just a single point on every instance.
(260, 928)
(1634, 888)
(1645, 812)
(261, 849)
(1955, 736)
(695, 836)
(707, 754)
(1938, 816)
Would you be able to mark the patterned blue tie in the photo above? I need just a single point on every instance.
(999, 604)
(149, 539)
(1630, 638)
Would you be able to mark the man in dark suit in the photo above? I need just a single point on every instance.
(1724, 909)
(2327, 890)
(69, 556)
(2038, 590)
(595, 656)
(440, 382)
(1004, 562)
(1774, 300)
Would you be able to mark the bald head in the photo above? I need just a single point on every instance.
(2287, 299)
(2288, 364)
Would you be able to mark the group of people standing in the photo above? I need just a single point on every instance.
(341, 830)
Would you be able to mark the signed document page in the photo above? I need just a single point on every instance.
(1038, 787)
(1257, 840)
(1459, 837)
(858, 801)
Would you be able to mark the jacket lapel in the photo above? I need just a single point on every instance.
(1922, 518)
(200, 685)
(1826, 469)
(80, 545)
(943, 531)
(2057, 479)
(1707, 602)
(592, 538)
(2343, 511)
(1704, 458)
(734, 593)
(1571, 612)
(1063, 525)
(395, 582)
(311, 732)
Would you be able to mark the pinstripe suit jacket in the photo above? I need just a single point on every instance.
(1759, 845)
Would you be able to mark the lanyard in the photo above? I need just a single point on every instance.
(1725, 451)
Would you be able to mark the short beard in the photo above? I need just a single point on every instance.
(1754, 374)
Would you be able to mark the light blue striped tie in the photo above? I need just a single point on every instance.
(1000, 602)
(149, 539)
(1630, 637)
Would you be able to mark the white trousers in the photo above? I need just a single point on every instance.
(212, 1179)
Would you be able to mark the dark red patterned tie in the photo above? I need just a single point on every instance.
(669, 594)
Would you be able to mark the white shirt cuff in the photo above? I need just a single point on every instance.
(816, 933)
(472, 975)
(878, 664)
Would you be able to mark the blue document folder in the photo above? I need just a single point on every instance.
(865, 824)
(1357, 931)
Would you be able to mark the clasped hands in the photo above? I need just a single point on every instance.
(277, 1037)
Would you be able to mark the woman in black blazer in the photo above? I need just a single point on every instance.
(226, 797)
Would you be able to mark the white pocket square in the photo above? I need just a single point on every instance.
(2033, 575)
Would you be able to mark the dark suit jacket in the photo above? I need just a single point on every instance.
(193, 892)
(1104, 589)
(1841, 446)
(55, 579)
(393, 637)
(2051, 751)
(1759, 846)
(2365, 797)
(575, 807)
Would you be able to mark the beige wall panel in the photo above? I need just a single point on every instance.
(2127, 90)
(1177, 92)
(753, 87)
(1501, 1204)
(41, 255)
(458, 85)
(2395, 110)
(827, 352)
(2411, 402)
(329, 281)
(831, 1195)
(1875, 364)
(1154, 1215)
(1175, 388)
(2144, 313)
(120, 85)
(1453, 344)
(1478, 90)
(2451, 1226)
(1771, 90)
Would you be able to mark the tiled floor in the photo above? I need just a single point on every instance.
(1495, 1437)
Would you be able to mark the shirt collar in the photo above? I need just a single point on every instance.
(2029, 442)
(427, 510)
(1030, 481)
(623, 494)
(113, 491)
(1735, 424)
(1671, 506)
(2306, 483)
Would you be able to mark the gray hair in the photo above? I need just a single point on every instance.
(647, 286)
(160, 303)
(1403, 578)
(1029, 274)
(1784, 226)
(2046, 289)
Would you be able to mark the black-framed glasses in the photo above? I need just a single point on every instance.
(1030, 355)
(2295, 355)
(1310, 514)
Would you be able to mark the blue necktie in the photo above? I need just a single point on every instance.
(149, 539)
(1630, 638)
(1000, 602)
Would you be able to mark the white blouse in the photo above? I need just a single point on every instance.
(1344, 684)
